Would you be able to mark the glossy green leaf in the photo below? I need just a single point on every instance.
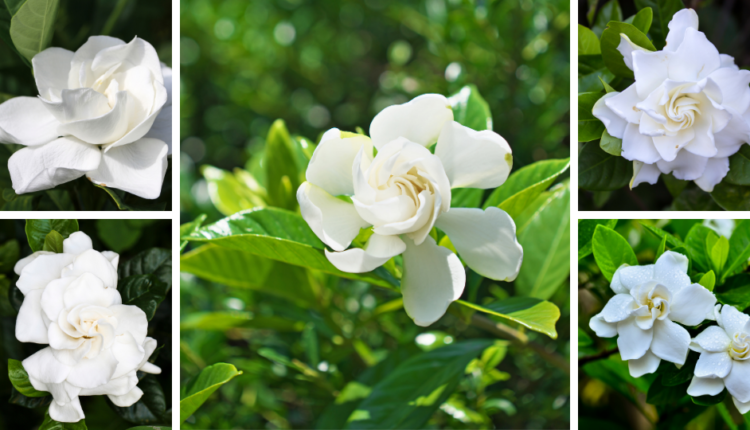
(229, 193)
(198, 389)
(20, 380)
(672, 241)
(589, 127)
(543, 229)
(719, 254)
(118, 234)
(662, 14)
(642, 20)
(739, 249)
(16, 398)
(408, 396)
(470, 109)
(278, 235)
(32, 24)
(50, 424)
(611, 251)
(150, 428)
(599, 171)
(662, 247)
(525, 185)
(613, 371)
(222, 321)
(9, 254)
(534, 314)
(154, 261)
(732, 197)
(699, 242)
(739, 167)
(610, 144)
(466, 197)
(145, 291)
(282, 176)
(708, 280)
(150, 408)
(586, 229)
(735, 291)
(38, 229)
(611, 40)
(610, 11)
(189, 228)
(588, 42)
(53, 242)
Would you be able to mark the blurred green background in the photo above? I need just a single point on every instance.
(128, 238)
(318, 65)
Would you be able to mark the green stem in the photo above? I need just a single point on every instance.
(726, 416)
(113, 17)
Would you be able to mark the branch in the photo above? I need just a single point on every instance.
(601, 355)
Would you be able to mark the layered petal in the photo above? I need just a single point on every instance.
(644, 173)
(81, 74)
(485, 240)
(632, 340)
(671, 271)
(66, 412)
(695, 59)
(433, 278)
(92, 372)
(737, 381)
(618, 308)
(77, 243)
(473, 159)
(685, 166)
(705, 387)
(716, 169)
(671, 341)
(93, 263)
(334, 221)
(713, 365)
(626, 48)
(419, 120)
(632, 276)
(161, 129)
(42, 270)
(651, 69)
(614, 123)
(51, 69)
(712, 339)
(44, 167)
(132, 320)
(26, 121)
(127, 399)
(601, 327)
(30, 325)
(45, 368)
(137, 168)
(691, 305)
(644, 365)
(379, 249)
(636, 146)
(680, 22)
(331, 164)
(733, 321)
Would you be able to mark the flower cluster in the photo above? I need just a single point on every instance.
(650, 300)
(95, 343)
(403, 192)
(686, 113)
(104, 111)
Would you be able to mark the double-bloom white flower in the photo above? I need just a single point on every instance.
(96, 344)
(686, 113)
(650, 301)
(403, 192)
(104, 111)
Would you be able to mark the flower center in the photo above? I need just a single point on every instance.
(740, 348)
(682, 110)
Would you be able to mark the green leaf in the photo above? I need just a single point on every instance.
(586, 229)
(611, 144)
(9, 253)
(589, 126)
(708, 280)
(672, 241)
(222, 321)
(611, 11)
(189, 228)
(466, 197)
(732, 197)
(282, 176)
(543, 229)
(700, 241)
(534, 314)
(642, 20)
(611, 251)
(233, 193)
(118, 234)
(278, 235)
(198, 389)
(607, 88)
(150, 428)
(144, 291)
(662, 13)
(719, 254)
(599, 171)
(739, 167)
(38, 229)
(470, 109)
(525, 185)
(50, 424)
(16, 398)
(53, 242)
(150, 408)
(739, 249)
(611, 40)
(20, 380)
(154, 261)
(409, 395)
(661, 249)
(31, 25)
(660, 394)
(613, 371)
(735, 291)
(5, 34)
(588, 42)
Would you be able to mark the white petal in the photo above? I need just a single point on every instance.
(113, 258)
(115, 386)
(128, 399)
(636, 146)
(26, 121)
(102, 129)
(618, 308)
(58, 339)
(633, 276)
(626, 48)
(651, 69)
(632, 341)
(695, 59)
(644, 173)
(737, 381)
(744, 408)
(137, 168)
(76, 243)
(331, 164)
(147, 113)
(734, 88)
(705, 387)
(601, 327)
(713, 339)
(42, 270)
(685, 166)
(44, 367)
(420, 121)
(130, 319)
(162, 126)
(334, 221)
(485, 240)
(671, 271)
(671, 341)
(136, 53)
(473, 159)
(644, 365)
(614, 123)
(52, 297)
(78, 104)
(691, 305)
(713, 365)
(30, 325)
(733, 321)
(44, 167)
(92, 262)
(670, 145)
(66, 412)
(20, 264)
(149, 346)
(433, 278)
(88, 289)
(716, 170)
(681, 21)
(80, 69)
(51, 68)
(129, 354)
(92, 372)
(623, 104)
(379, 249)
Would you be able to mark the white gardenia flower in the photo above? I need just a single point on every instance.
(96, 344)
(104, 111)
(686, 113)
(724, 359)
(405, 191)
(649, 301)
